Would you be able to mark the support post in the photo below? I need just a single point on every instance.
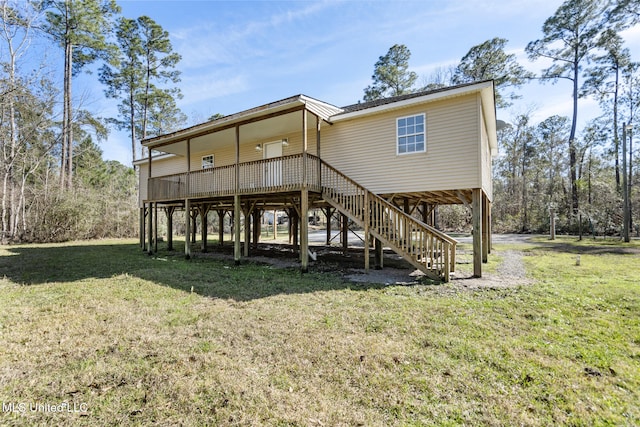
(304, 231)
(194, 231)
(476, 213)
(295, 226)
(490, 227)
(485, 228)
(141, 227)
(236, 229)
(221, 215)
(187, 230)
(328, 214)
(256, 226)
(247, 229)
(169, 211)
(155, 227)
(345, 233)
(150, 229)
(275, 225)
(204, 213)
(379, 259)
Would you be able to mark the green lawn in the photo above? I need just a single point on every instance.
(127, 339)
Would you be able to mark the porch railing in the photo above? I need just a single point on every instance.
(279, 174)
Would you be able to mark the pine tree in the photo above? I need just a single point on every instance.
(390, 75)
(488, 60)
(81, 28)
(146, 62)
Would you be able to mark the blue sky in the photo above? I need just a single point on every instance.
(240, 54)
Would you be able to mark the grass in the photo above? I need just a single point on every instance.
(122, 338)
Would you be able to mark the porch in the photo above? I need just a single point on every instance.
(297, 183)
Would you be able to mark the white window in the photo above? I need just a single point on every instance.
(207, 161)
(411, 134)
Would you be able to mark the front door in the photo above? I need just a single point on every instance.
(273, 168)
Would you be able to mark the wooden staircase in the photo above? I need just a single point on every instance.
(425, 247)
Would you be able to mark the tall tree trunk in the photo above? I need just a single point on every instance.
(5, 210)
(9, 187)
(69, 117)
(132, 121)
(572, 135)
(145, 105)
(616, 139)
(523, 171)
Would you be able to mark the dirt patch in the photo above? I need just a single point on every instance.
(396, 270)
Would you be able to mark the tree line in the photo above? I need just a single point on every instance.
(552, 166)
(56, 186)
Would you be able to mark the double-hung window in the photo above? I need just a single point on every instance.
(411, 134)
(207, 161)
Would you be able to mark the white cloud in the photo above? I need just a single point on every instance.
(205, 87)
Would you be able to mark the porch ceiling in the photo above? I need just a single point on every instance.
(259, 131)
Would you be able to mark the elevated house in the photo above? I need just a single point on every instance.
(384, 164)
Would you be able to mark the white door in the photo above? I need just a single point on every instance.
(273, 168)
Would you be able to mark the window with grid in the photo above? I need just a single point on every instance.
(411, 134)
(207, 161)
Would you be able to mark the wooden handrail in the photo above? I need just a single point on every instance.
(425, 247)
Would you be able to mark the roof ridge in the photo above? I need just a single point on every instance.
(382, 101)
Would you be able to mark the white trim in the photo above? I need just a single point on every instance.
(424, 133)
(145, 160)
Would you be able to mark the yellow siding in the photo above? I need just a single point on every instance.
(168, 166)
(142, 188)
(365, 149)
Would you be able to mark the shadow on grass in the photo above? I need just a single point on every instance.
(587, 247)
(33, 265)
